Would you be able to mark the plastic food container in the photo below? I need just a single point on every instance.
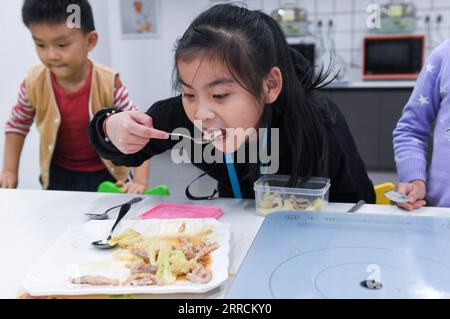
(272, 194)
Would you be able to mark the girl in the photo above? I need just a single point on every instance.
(235, 70)
(426, 114)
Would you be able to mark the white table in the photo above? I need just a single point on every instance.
(32, 220)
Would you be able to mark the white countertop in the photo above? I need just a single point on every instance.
(32, 220)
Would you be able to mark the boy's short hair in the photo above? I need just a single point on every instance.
(55, 12)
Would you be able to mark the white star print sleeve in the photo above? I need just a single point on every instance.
(413, 131)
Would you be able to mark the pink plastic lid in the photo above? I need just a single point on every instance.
(173, 210)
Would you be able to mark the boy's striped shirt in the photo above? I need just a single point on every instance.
(23, 113)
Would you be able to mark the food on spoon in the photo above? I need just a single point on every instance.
(127, 239)
(212, 134)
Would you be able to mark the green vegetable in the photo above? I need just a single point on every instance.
(151, 247)
(316, 205)
(164, 274)
(127, 239)
(179, 265)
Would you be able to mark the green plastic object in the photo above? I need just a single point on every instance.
(110, 187)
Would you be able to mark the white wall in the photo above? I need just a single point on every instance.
(102, 52)
(16, 56)
(146, 65)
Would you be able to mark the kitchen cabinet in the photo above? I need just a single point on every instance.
(372, 114)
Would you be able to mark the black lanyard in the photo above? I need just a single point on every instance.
(192, 197)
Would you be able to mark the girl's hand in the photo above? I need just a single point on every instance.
(416, 191)
(8, 180)
(131, 131)
(132, 187)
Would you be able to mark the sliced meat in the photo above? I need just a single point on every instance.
(142, 279)
(140, 267)
(94, 281)
(200, 275)
(187, 247)
(206, 250)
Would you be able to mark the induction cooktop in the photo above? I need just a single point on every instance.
(339, 255)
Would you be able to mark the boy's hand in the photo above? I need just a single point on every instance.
(8, 180)
(416, 191)
(131, 131)
(132, 187)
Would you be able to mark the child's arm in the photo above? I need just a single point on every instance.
(17, 128)
(413, 132)
(416, 191)
(13, 149)
(123, 102)
(129, 133)
(139, 184)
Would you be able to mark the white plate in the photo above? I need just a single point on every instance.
(72, 256)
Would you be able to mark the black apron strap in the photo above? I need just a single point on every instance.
(192, 197)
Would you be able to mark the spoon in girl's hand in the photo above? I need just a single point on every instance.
(208, 136)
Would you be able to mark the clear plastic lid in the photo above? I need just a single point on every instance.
(316, 186)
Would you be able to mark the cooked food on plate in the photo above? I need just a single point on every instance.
(160, 260)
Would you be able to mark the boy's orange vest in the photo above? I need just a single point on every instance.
(41, 96)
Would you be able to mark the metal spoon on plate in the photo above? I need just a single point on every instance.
(104, 244)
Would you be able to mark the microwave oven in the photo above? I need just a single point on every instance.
(393, 57)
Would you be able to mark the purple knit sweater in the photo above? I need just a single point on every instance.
(429, 104)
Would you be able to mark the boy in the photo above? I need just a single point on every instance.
(63, 95)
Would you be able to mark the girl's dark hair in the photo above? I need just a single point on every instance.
(250, 44)
(55, 12)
